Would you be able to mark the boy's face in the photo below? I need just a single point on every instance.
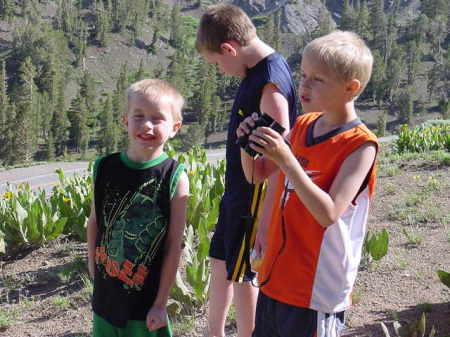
(150, 123)
(320, 90)
(227, 61)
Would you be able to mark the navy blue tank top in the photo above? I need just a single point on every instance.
(272, 69)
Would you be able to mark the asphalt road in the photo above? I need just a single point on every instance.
(44, 176)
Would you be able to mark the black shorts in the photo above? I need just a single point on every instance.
(229, 244)
(277, 319)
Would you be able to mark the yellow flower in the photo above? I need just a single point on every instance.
(66, 200)
(7, 195)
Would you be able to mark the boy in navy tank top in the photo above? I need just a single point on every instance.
(137, 219)
(227, 38)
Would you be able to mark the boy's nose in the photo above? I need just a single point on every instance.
(148, 124)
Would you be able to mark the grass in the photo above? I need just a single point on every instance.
(7, 318)
(62, 303)
(412, 236)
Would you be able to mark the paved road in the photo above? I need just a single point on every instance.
(44, 176)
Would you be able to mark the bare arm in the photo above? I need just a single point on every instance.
(157, 316)
(91, 232)
(325, 207)
(276, 106)
(264, 220)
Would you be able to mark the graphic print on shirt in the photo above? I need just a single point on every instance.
(134, 229)
(311, 173)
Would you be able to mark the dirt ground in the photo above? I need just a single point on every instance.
(42, 293)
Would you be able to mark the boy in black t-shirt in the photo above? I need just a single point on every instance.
(137, 219)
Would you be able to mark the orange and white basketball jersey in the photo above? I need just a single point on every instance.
(305, 264)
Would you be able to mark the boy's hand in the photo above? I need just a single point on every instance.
(260, 241)
(156, 318)
(247, 124)
(270, 144)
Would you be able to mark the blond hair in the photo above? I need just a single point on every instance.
(154, 89)
(344, 53)
(222, 23)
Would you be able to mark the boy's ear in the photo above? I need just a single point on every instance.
(229, 47)
(125, 120)
(353, 87)
(176, 127)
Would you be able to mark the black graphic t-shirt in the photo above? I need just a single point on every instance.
(132, 205)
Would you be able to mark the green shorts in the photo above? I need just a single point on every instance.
(102, 328)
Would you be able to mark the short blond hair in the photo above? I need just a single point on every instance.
(345, 53)
(222, 23)
(154, 89)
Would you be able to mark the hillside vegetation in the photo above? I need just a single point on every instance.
(65, 65)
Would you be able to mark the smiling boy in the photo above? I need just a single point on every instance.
(137, 219)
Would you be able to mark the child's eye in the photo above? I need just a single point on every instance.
(318, 79)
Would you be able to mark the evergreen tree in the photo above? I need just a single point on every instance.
(381, 124)
(394, 71)
(119, 100)
(50, 149)
(348, 18)
(25, 130)
(405, 104)
(140, 72)
(78, 131)
(6, 10)
(325, 24)
(362, 25)
(102, 25)
(107, 139)
(377, 21)
(176, 35)
(60, 122)
(4, 108)
(413, 56)
(10, 154)
(4, 98)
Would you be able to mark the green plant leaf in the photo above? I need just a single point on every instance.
(444, 277)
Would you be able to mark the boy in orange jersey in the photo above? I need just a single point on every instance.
(326, 180)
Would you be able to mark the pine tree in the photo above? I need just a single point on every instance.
(25, 132)
(50, 148)
(10, 154)
(362, 26)
(347, 17)
(78, 131)
(60, 122)
(394, 71)
(119, 100)
(413, 56)
(107, 139)
(140, 72)
(377, 21)
(4, 98)
(405, 104)
(102, 26)
(176, 37)
(381, 124)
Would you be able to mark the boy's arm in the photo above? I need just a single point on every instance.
(325, 207)
(263, 224)
(276, 106)
(91, 232)
(157, 315)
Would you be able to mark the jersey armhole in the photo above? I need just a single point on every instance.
(175, 178)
